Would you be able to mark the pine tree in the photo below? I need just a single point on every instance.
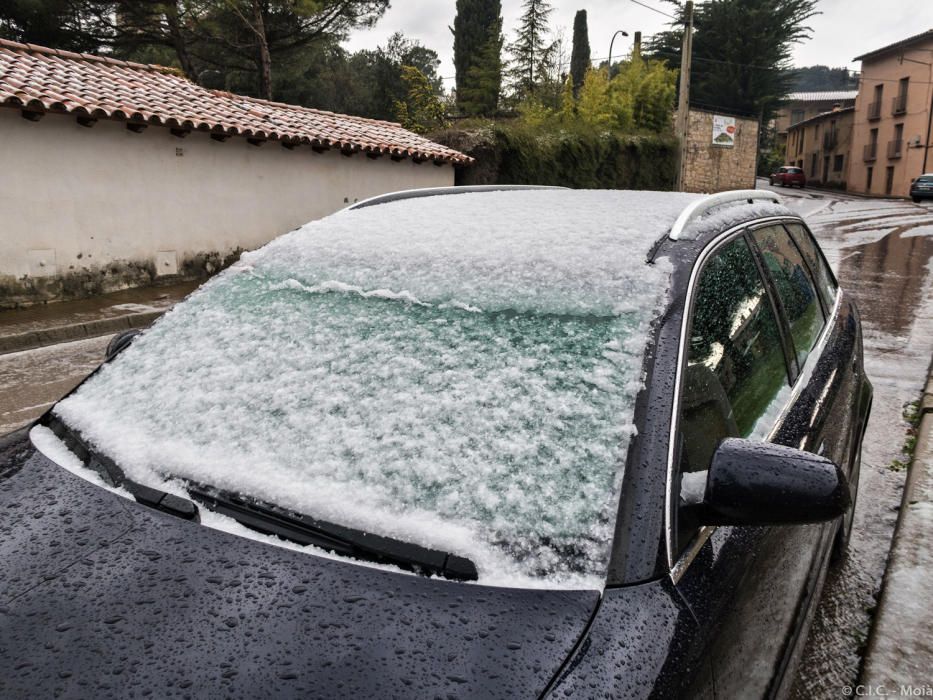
(580, 58)
(477, 34)
(531, 52)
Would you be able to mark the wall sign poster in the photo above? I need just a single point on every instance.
(723, 131)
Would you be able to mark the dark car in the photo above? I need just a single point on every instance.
(788, 176)
(457, 443)
(922, 188)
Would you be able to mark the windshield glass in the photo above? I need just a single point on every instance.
(472, 409)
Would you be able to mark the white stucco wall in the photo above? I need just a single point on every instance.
(74, 198)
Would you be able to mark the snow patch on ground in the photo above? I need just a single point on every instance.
(459, 372)
(918, 231)
(135, 308)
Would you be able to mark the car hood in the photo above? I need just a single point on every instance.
(99, 595)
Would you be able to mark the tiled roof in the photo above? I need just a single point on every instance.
(821, 115)
(824, 96)
(928, 34)
(42, 79)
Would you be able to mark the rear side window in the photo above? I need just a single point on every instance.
(825, 282)
(794, 286)
(735, 380)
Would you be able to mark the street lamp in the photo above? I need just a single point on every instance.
(623, 33)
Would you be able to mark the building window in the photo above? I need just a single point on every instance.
(874, 108)
(896, 146)
(899, 105)
(870, 152)
(829, 137)
(889, 180)
(870, 172)
(838, 162)
(796, 116)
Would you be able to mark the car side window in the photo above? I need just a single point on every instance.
(795, 288)
(825, 281)
(735, 378)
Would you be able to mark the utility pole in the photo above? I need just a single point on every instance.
(683, 104)
(636, 48)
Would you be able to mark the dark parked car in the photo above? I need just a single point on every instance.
(788, 176)
(452, 443)
(922, 188)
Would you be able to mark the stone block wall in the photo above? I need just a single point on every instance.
(711, 168)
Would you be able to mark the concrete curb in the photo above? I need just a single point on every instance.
(869, 670)
(75, 331)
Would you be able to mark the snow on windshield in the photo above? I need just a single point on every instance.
(454, 371)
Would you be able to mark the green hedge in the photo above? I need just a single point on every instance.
(581, 159)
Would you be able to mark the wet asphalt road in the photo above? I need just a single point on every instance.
(33, 380)
(882, 253)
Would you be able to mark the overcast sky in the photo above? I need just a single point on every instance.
(846, 28)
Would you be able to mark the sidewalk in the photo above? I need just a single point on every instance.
(900, 649)
(48, 324)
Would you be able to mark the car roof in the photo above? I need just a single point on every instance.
(694, 207)
(540, 250)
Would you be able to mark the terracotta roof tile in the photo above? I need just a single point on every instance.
(101, 87)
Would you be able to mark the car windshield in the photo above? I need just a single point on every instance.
(925, 180)
(468, 390)
(794, 171)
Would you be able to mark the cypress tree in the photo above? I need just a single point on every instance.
(747, 71)
(477, 34)
(580, 56)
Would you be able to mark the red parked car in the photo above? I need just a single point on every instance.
(788, 175)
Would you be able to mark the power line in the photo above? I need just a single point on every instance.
(854, 74)
(654, 9)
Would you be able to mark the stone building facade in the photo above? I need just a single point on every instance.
(711, 167)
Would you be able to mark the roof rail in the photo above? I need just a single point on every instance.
(431, 191)
(703, 206)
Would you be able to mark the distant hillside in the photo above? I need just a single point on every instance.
(820, 78)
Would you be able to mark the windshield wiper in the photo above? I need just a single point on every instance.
(113, 475)
(305, 530)
(270, 519)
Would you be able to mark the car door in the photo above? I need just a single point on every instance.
(746, 585)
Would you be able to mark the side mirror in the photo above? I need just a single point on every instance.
(760, 483)
(119, 343)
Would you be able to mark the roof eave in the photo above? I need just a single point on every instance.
(902, 44)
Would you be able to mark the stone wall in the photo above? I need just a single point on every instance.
(711, 168)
